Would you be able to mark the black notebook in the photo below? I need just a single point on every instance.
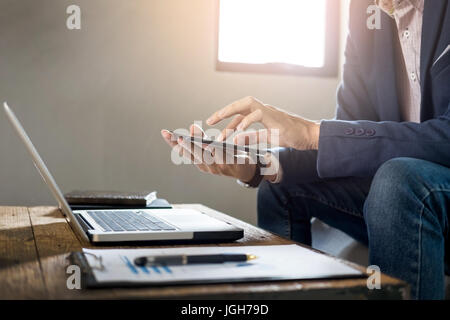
(92, 200)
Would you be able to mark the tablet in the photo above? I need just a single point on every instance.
(222, 145)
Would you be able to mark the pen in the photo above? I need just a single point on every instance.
(192, 259)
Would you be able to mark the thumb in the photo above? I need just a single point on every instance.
(196, 131)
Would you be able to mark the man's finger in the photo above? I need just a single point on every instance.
(196, 131)
(172, 142)
(168, 137)
(252, 137)
(195, 151)
(255, 116)
(185, 151)
(229, 129)
(244, 106)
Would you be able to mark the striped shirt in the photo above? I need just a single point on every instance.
(408, 15)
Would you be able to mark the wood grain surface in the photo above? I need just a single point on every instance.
(35, 243)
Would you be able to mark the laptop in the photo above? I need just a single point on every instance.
(131, 225)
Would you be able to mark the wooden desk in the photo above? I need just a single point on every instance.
(34, 244)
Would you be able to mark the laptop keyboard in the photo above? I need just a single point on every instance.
(128, 221)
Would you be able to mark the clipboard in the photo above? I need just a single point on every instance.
(102, 268)
(87, 277)
(88, 280)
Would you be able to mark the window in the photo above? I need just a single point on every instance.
(278, 36)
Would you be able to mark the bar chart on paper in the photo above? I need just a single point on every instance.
(273, 262)
(145, 270)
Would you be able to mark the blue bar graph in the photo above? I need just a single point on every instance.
(244, 264)
(167, 269)
(156, 269)
(130, 265)
(144, 269)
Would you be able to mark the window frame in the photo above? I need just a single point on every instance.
(331, 63)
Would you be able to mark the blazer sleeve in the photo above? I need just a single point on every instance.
(357, 142)
(359, 148)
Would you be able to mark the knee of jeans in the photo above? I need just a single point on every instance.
(395, 182)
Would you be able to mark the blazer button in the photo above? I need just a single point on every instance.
(349, 131)
(360, 132)
(370, 132)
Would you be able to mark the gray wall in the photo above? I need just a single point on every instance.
(94, 100)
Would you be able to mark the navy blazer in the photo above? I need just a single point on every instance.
(368, 129)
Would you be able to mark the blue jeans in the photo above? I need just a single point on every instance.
(401, 214)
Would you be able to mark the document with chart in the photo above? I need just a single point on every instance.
(281, 262)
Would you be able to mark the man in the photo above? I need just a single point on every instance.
(379, 171)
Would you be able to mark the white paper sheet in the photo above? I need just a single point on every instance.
(273, 262)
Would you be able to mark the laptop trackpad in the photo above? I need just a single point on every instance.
(191, 220)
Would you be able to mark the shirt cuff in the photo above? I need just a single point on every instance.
(279, 170)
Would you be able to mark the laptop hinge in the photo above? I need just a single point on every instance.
(84, 224)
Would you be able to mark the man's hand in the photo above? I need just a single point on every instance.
(209, 160)
(294, 131)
